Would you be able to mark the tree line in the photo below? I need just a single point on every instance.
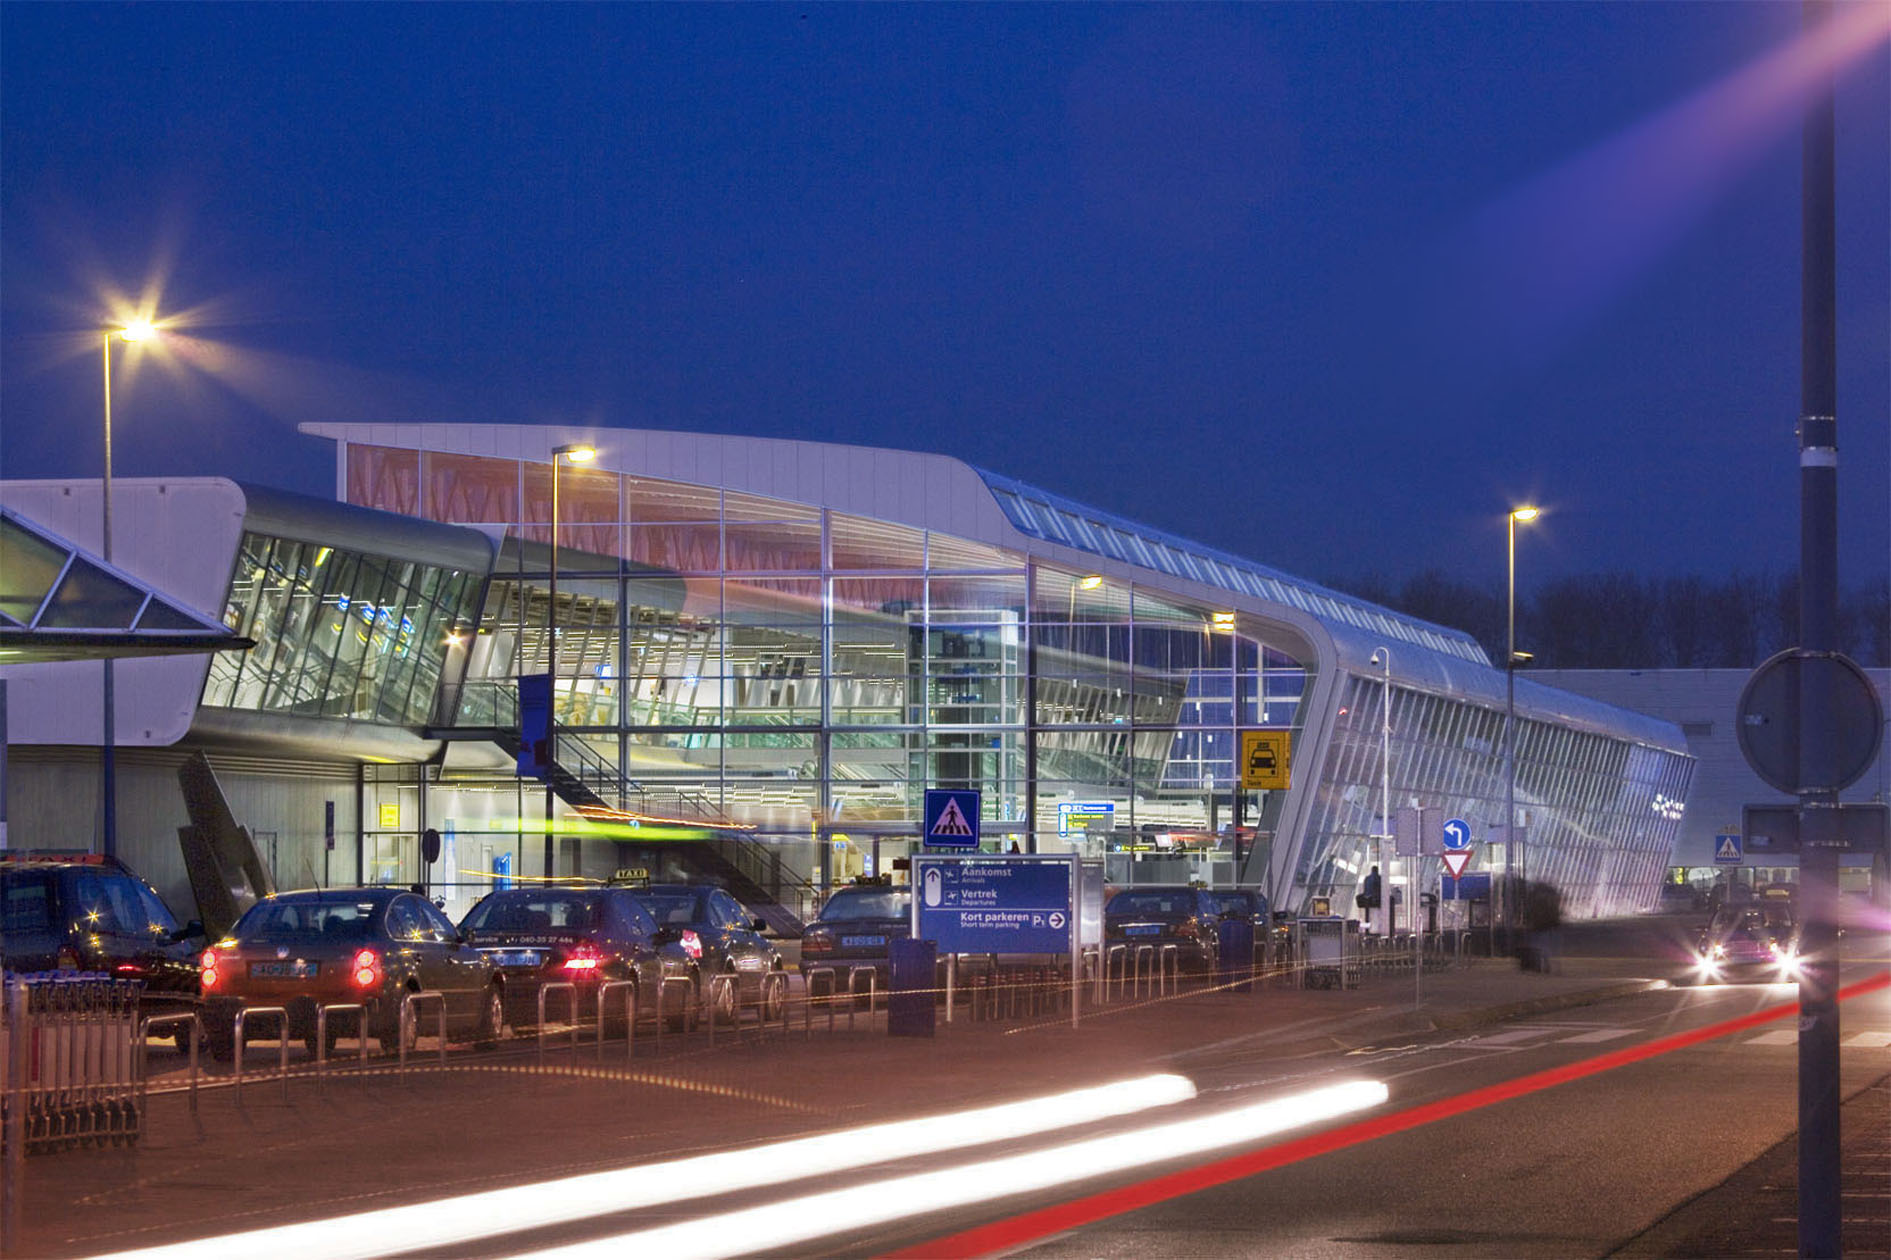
(1625, 621)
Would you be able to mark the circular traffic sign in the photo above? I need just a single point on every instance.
(1767, 721)
(1457, 834)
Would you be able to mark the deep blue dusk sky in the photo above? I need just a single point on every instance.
(1326, 285)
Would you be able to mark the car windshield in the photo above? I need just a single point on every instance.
(675, 908)
(536, 911)
(1236, 903)
(334, 918)
(1154, 901)
(867, 903)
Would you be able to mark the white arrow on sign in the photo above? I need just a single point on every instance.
(1456, 860)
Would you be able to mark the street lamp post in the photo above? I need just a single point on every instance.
(1524, 515)
(137, 330)
(1383, 657)
(577, 453)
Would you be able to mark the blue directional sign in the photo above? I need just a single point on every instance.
(1472, 887)
(1457, 834)
(993, 905)
(951, 818)
(1727, 850)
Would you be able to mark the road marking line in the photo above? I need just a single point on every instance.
(1778, 1037)
(1600, 1034)
(1869, 1040)
(1014, 1232)
(1509, 1038)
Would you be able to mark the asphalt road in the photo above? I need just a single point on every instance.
(1590, 1165)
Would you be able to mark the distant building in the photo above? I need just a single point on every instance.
(766, 651)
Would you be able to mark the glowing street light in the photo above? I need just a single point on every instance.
(135, 330)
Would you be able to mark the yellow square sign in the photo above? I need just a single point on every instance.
(390, 815)
(1264, 758)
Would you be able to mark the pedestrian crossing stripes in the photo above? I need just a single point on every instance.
(1777, 1037)
(1520, 1038)
(1599, 1034)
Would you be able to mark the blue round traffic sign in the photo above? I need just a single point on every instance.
(1457, 834)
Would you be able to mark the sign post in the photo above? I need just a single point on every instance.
(1010, 904)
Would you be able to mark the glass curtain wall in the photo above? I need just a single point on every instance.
(339, 633)
(1599, 815)
(808, 673)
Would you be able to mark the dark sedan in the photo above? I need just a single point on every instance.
(585, 937)
(1162, 915)
(856, 929)
(727, 940)
(370, 946)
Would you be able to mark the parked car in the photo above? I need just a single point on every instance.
(77, 911)
(585, 937)
(1756, 939)
(726, 939)
(855, 929)
(1681, 898)
(348, 945)
(1163, 915)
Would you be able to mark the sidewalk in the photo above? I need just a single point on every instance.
(369, 1139)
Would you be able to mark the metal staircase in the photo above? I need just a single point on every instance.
(586, 780)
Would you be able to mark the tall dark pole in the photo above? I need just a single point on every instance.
(1818, 623)
(108, 747)
(551, 664)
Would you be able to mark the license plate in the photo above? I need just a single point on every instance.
(517, 957)
(1145, 929)
(860, 942)
(297, 970)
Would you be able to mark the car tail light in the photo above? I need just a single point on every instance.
(1188, 928)
(692, 943)
(210, 977)
(367, 969)
(817, 943)
(583, 960)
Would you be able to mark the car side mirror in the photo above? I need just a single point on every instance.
(665, 936)
(759, 925)
(194, 928)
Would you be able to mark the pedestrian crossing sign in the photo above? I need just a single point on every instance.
(1727, 850)
(952, 818)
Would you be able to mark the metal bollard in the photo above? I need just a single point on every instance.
(144, 1052)
(282, 1046)
(571, 991)
(807, 975)
(629, 988)
(321, 1035)
(1115, 962)
(409, 1015)
(873, 986)
(1171, 969)
(724, 979)
(1145, 953)
(663, 1004)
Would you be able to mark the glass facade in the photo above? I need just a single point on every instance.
(338, 633)
(803, 674)
(1598, 816)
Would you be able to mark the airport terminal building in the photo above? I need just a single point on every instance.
(766, 651)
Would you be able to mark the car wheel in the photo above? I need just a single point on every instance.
(390, 1033)
(726, 999)
(220, 1037)
(491, 1020)
(684, 1020)
(774, 996)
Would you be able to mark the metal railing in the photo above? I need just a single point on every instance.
(282, 1046)
(570, 991)
(321, 1034)
(196, 1026)
(409, 1031)
(629, 990)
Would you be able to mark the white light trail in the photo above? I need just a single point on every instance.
(389, 1231)
(786, 1224)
